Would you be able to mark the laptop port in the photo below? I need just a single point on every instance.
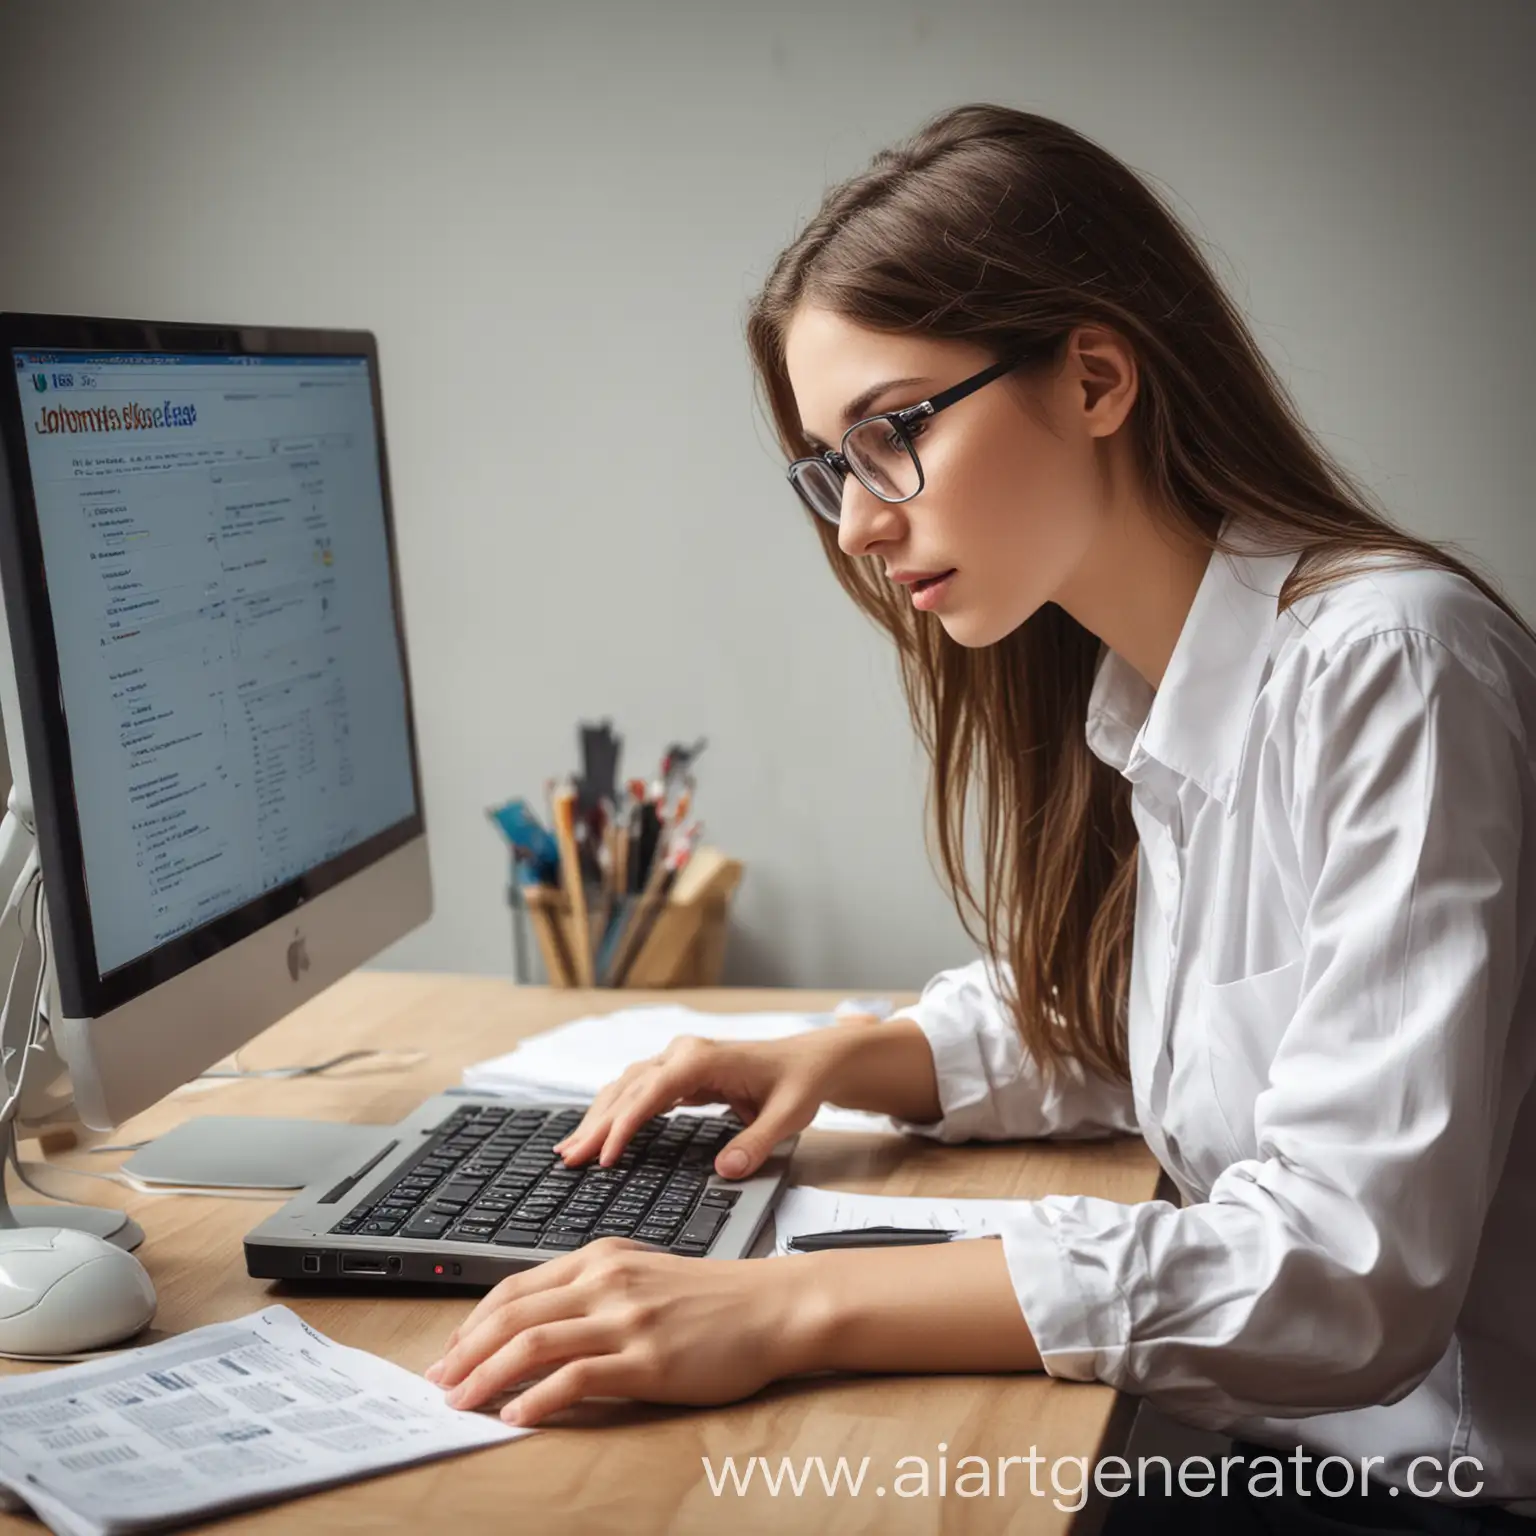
(311, 1262)
(361, 1264)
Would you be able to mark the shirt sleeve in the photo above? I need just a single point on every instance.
(990, 1088)
(1327, 1272)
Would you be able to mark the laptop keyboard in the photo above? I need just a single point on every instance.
(489, 1174)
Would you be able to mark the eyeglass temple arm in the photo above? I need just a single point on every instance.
(961, 390)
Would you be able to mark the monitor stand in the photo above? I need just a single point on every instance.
(115, 1226)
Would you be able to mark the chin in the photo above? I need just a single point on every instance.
(969, 630)
(975, 631)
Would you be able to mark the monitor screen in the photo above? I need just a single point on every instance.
(215, 552)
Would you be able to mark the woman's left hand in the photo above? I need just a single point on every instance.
(618, 1318)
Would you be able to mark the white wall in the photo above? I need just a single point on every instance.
(553, 217)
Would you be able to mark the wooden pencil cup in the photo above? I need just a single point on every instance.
(678, 942)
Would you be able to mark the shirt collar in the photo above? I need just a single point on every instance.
(1196, 722)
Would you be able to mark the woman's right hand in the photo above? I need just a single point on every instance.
(774, 1086)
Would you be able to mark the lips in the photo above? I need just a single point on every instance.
(929, 591)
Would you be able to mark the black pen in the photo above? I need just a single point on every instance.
(871, 1237)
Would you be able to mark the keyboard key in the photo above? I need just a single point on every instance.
(703, 1226)
(427, 1224)
(519, 1237)
(655, 1232)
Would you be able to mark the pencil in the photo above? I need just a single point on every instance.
(564, 805)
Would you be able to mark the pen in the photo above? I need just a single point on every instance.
(871, 1237)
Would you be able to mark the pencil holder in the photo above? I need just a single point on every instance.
(650, 943)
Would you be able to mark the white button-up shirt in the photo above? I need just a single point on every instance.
(1331, 1033)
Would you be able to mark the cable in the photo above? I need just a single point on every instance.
(127, 1181)
(411, 1057)
(13, 1090)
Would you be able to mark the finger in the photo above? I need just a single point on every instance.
(597, 1110)
(610, 1375)
(685, 1069)
(644, 1103)
(595, 1129)
(629, 1114)
(746, 1151)
(498, 1328)
(541, 1347)
(526, 1282)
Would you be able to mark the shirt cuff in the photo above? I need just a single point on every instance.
(965, 1099)
(1074, 1309)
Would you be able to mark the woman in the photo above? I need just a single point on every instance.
(1251, 769)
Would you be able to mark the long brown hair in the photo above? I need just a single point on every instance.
(1005, 229)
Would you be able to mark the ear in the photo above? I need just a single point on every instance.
(1104, 371)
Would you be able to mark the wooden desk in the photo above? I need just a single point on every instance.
(612, 1467)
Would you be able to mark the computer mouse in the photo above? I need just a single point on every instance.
(63, 1291)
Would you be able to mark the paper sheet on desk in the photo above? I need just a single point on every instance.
(222, 1417)
(804, 1208)
(573, 1061)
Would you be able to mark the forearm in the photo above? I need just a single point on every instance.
(935, 1308)
(886, 1068)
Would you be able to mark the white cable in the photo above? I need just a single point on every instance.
(13, 1094)
(127, 1181)
(28, 873)
(5, 1009)
(410, 1057)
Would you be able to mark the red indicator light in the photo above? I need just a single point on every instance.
(437, 1269)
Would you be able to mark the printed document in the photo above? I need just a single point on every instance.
(219, 1418)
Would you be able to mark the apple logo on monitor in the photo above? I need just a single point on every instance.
(298, 956)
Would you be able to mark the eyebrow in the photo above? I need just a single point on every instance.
(858, 407)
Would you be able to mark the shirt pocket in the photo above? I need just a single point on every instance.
(1242, 1023)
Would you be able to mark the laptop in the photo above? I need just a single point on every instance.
(468, 1188)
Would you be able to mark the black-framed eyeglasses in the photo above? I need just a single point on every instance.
(880, 451)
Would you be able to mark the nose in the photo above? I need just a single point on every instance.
(866, 520)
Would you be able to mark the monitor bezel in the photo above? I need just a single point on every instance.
(84, 991)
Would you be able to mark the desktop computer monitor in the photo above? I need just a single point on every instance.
(206, 700)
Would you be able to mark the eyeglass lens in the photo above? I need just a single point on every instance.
(821, 487)
(879, 456)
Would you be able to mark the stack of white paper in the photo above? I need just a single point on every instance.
(574, 1061)
(803, 1208)
(221, 1418)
